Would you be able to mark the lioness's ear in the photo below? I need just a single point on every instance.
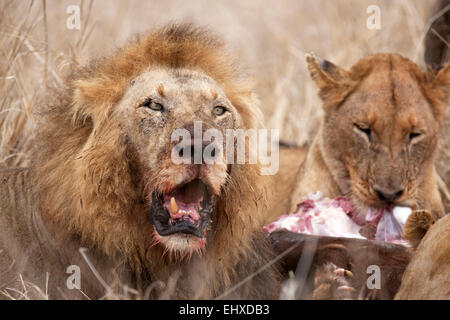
(441, 83)
(437, 89)
(323, 72)
(333, 82)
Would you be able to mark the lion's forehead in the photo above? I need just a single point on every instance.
(177, 84)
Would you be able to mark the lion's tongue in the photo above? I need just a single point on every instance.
(184, 203)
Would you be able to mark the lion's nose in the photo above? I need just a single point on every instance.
(201, 152)
(388, 195)
(190, 154)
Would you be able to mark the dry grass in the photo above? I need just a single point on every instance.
(37, 50)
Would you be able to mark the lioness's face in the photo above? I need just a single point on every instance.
(385, 134)
(158, 109)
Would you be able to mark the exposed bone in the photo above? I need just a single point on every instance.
(173, 205)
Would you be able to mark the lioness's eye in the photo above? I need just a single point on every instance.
(363, 130)
(219, 110)
(149, 103)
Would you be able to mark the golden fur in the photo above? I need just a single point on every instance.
(417, 225)
(97, 160)
(427, 275)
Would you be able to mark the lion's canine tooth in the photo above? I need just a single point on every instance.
(173, 205)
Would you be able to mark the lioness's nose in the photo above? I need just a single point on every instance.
(388, 195)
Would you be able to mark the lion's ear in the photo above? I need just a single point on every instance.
(334, 83)
(93, 97)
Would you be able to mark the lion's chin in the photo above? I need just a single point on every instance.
(180, 246)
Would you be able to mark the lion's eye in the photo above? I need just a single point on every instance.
(149, 103)
(219, 110)
(413, 136)
(364, 131)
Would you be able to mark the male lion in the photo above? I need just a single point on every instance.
(103, 178)
(380, 134)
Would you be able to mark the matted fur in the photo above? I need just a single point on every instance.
(85, 181)
(427, 275)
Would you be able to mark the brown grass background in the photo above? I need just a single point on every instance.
(269, 38)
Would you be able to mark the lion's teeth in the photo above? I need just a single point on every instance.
(173, 205)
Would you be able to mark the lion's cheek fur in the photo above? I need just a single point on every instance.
(96, 197)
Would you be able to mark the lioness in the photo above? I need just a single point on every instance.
(380, 134)
(377, 145)
(103, 178)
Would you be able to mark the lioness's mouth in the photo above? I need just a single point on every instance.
(186, 209)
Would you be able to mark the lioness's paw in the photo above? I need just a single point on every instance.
(418, 223)
(332, 283)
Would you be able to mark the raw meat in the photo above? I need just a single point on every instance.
(318, 215)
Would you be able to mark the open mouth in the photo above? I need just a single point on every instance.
(186, 209)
